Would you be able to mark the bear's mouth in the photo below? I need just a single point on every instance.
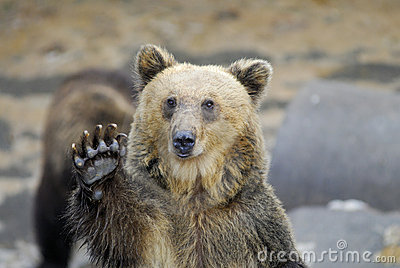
(183, 155)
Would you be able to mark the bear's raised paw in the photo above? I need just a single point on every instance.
(99, 158)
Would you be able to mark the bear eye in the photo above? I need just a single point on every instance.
(171, 102)
(208, 104)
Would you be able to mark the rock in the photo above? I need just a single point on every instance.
(15, 215)
(223, 57)
(339, 142)
(392, 235)
(379, 72)
(22, 87)
(23, 255)
(350, 234)
(15, 171)
(347, 205)
(5, 135)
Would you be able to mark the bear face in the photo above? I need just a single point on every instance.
(190, 117)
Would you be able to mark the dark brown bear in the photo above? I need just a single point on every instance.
(85, 99)
(192, 191)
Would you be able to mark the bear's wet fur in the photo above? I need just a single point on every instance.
(83, 100)
(193, 190)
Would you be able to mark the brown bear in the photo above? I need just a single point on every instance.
(189, 186)
(85, 99)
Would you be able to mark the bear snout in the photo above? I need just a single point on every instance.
(183, 142)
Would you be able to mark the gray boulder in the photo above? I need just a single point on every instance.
(339, 142)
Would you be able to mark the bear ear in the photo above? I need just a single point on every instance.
(150, 61)
(254, 75)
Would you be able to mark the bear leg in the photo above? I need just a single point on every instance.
(54, 244)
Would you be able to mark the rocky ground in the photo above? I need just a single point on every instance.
(41, 42)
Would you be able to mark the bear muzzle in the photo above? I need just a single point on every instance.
(183, 142)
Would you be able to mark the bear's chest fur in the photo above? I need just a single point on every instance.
(212, 238)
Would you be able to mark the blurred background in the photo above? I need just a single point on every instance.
(311, 44)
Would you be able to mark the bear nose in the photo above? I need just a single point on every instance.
(183, 141)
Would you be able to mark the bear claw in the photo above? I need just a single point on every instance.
(98, 160)
(79, 162)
